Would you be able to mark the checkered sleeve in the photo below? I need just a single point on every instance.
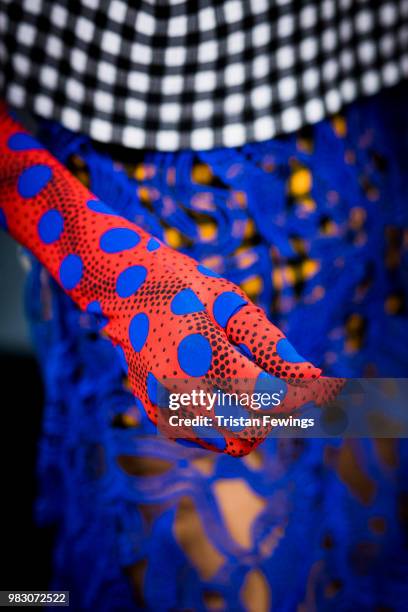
(199, 75)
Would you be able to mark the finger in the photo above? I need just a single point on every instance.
(249, 329)
(320, 391)
(232, 376)
(235, 441)
(230, 372)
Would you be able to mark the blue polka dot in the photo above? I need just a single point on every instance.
(130, 280)
(33, 180)
(162, 396)
(228, 409)
(286, 351)
(244, 350)
(139, 404)
(23, 142)
(50, 226)
(226, 305)
(186, 302)
(265, 383)
(122, 358)
(100, 207)
(118, 239)
(70, 271)
(153, 244)
(3, 220)
(138, 331)
(194, 355)
(152, 385)
(207, 271)
(94, 308)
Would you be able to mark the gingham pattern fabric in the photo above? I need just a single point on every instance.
(171, 75)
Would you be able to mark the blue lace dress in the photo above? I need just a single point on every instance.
(314, 227)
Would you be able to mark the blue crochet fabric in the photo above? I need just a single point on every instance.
(314, 227)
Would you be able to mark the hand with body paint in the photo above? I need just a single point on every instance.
(168, 316)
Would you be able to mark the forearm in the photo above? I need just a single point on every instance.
(48, 211)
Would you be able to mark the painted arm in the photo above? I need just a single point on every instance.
(169, 317)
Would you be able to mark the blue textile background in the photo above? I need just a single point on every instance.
(314, 225)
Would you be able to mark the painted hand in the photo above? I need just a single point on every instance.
(169, 317)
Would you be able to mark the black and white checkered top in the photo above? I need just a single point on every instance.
(199, 74)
